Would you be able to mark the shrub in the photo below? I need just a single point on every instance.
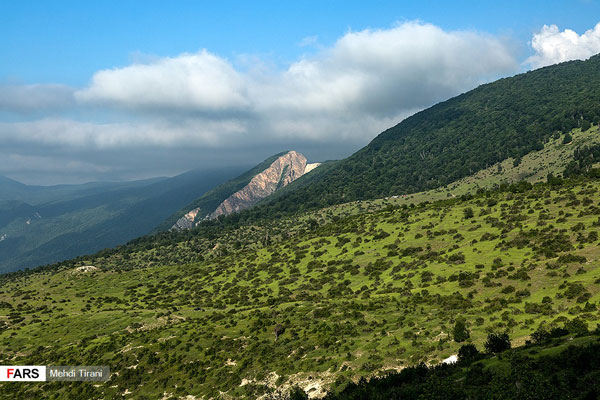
(577, 327)
(297, 394)
(468, 353)
(497, 343)
(460, 331)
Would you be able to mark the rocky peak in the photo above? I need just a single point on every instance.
(280, 173)
(284, 170)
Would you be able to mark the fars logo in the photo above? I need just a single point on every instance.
(22, 373)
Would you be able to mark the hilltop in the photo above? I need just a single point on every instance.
(455, 139)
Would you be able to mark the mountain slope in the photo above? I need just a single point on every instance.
(91, 217)
(244, 191)
(348, 296)
(456, 138)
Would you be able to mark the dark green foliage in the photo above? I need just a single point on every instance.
(583, 160)
(468, 213)
(297, 394)
(571, 374)
(577, 327)
(585, 125)
(541, 336)
(497, 343)
(568, 138)
(468, 353)
(460, 331)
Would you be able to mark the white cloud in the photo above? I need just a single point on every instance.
(375, 76)
(67, 133)
(553, 46)
(200, 81)
(387, 72)
(340, 96)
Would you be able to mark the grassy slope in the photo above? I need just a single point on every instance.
(353, 296)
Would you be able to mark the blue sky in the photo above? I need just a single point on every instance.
(67, 41)
(88, 90)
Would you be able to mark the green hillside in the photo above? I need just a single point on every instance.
(348, 295)
(457, 138)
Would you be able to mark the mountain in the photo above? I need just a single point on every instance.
(320, 299)
(11, 190)
(456, 138)
(41, 225)
(472, 226)
(244, 191)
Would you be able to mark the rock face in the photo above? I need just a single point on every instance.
(280, 173)
(187, 221)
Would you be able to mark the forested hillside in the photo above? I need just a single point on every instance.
(507, 118)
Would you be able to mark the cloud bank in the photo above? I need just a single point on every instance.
(338, 97)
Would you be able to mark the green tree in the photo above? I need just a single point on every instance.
(468, 213)
(568, 138)
(460, 331)
(468, 353)
(497, 343)
(585, 125)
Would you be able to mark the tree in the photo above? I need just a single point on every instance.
(567, 139)
(585, 125)
(540, 336)
(460, 331)
(467, 353)
(468, 213)
(577, 326)
(497, 343)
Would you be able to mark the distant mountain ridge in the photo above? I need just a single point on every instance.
(279, 171)
(40, 225)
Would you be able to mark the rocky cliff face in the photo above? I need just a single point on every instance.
(280, 173)
(187, 221)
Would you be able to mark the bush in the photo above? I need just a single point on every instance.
(497, 343)
(468, 353)
(297, 394)
(468, 213)
(567, 139)
(460, 331)
(540, 336)
(577, 327)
